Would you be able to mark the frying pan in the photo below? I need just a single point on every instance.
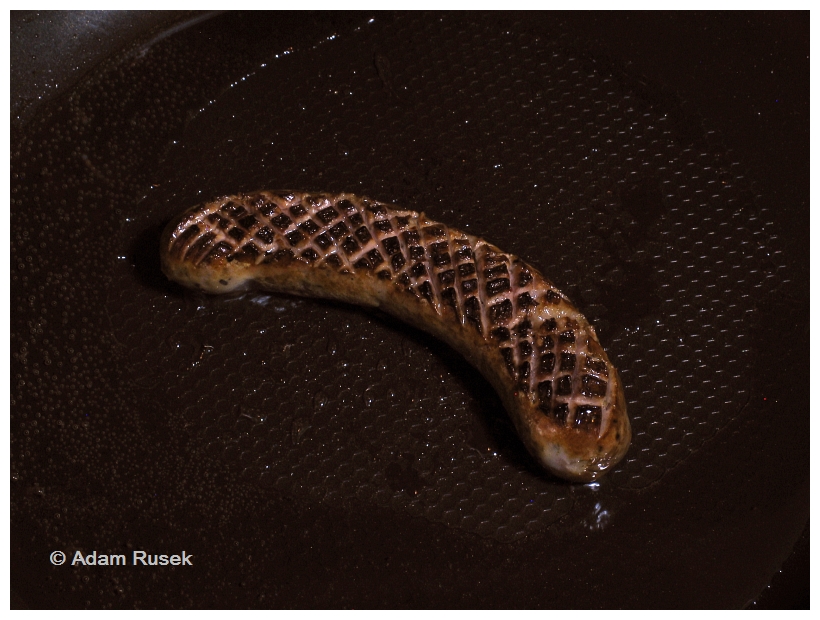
(309, 454)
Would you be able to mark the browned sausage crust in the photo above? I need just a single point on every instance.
(535, 348)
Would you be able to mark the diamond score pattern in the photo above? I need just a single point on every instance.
(461, 276)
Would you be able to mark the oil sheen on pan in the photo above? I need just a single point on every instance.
(535, 348)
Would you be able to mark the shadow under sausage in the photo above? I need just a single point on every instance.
(144, 253)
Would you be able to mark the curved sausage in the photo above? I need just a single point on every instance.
(535, 348)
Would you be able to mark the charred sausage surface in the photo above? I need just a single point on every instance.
(536, 349)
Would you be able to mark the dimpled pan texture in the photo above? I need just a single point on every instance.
(535, 348)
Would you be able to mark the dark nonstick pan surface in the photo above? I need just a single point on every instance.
(309, 454)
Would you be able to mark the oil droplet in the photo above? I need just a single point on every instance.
(368, 396)
(320, 401)
(298, 428)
